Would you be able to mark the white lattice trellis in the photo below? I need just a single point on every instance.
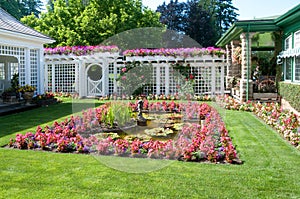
(67, 73)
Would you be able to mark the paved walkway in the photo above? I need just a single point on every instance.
(10, 108)
(286, 105)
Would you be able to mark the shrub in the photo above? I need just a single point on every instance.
(291, 93)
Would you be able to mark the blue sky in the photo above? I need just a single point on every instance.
(248, 9)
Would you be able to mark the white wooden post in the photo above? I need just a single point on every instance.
(77, 77)
(115, 77)
(53, 78)
(41, 74)
(27, 66)
(222, 79)
(167, 78)
(213, 79)
(105, 77)
(46, 77)
(157, 79)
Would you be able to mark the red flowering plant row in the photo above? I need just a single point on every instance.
(80, 50)
(61, 137)
(285, 122)
(45, 99)
(175, 52)
(208, 142)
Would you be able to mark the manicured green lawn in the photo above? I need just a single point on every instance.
(270, 170)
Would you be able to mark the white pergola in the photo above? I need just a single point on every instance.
(96, 74)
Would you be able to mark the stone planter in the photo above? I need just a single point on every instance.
(28, 97)
(9, 97)
(265, 96)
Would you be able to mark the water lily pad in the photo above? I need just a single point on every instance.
(106, 135)
(141, 137)
(159, 132)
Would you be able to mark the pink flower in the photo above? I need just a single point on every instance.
(123, 77)
(124, 70)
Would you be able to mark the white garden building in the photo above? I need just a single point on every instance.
(93, 71)
(21, 52)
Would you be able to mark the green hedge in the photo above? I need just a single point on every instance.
(291, 93)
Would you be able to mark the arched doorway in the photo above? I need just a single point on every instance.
(8, 67)
(94, 73)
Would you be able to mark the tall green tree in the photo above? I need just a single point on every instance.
(200, 24)
(21, 8)
(173, 15)
(203, 20)
(77, 22)
(223, 12)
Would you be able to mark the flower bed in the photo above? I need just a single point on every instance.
(286, 123)
(45, 99)
(207, 142)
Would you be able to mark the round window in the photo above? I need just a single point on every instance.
(95, 72)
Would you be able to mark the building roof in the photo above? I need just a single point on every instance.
(254, 25)
(11, 24)
(267, 24)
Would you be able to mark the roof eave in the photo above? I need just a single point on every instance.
(245, 26)
(43, 40)
(228, 36)
(289, 16)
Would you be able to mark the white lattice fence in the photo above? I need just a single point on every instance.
(69, 75)
(62, 77)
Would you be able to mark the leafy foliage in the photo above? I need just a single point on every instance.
(21, 8)
(203, 20)
(134, 77)
(223, 12)
(290, 92)
(77, 22)
(200, 24)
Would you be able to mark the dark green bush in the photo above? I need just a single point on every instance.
(291, 93)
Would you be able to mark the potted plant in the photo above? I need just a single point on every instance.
(11, 94)
(27, 93)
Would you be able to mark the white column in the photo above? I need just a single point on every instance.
(42, 75)
(213, 79)
(105, 77)
(77, 77)
(157, 79)
(45, 80)
(82, 79)
(222, 78)
(167, 78)
(53, 78)
(27, 66)
(115, 78)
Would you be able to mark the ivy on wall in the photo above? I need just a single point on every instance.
(291, 93)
